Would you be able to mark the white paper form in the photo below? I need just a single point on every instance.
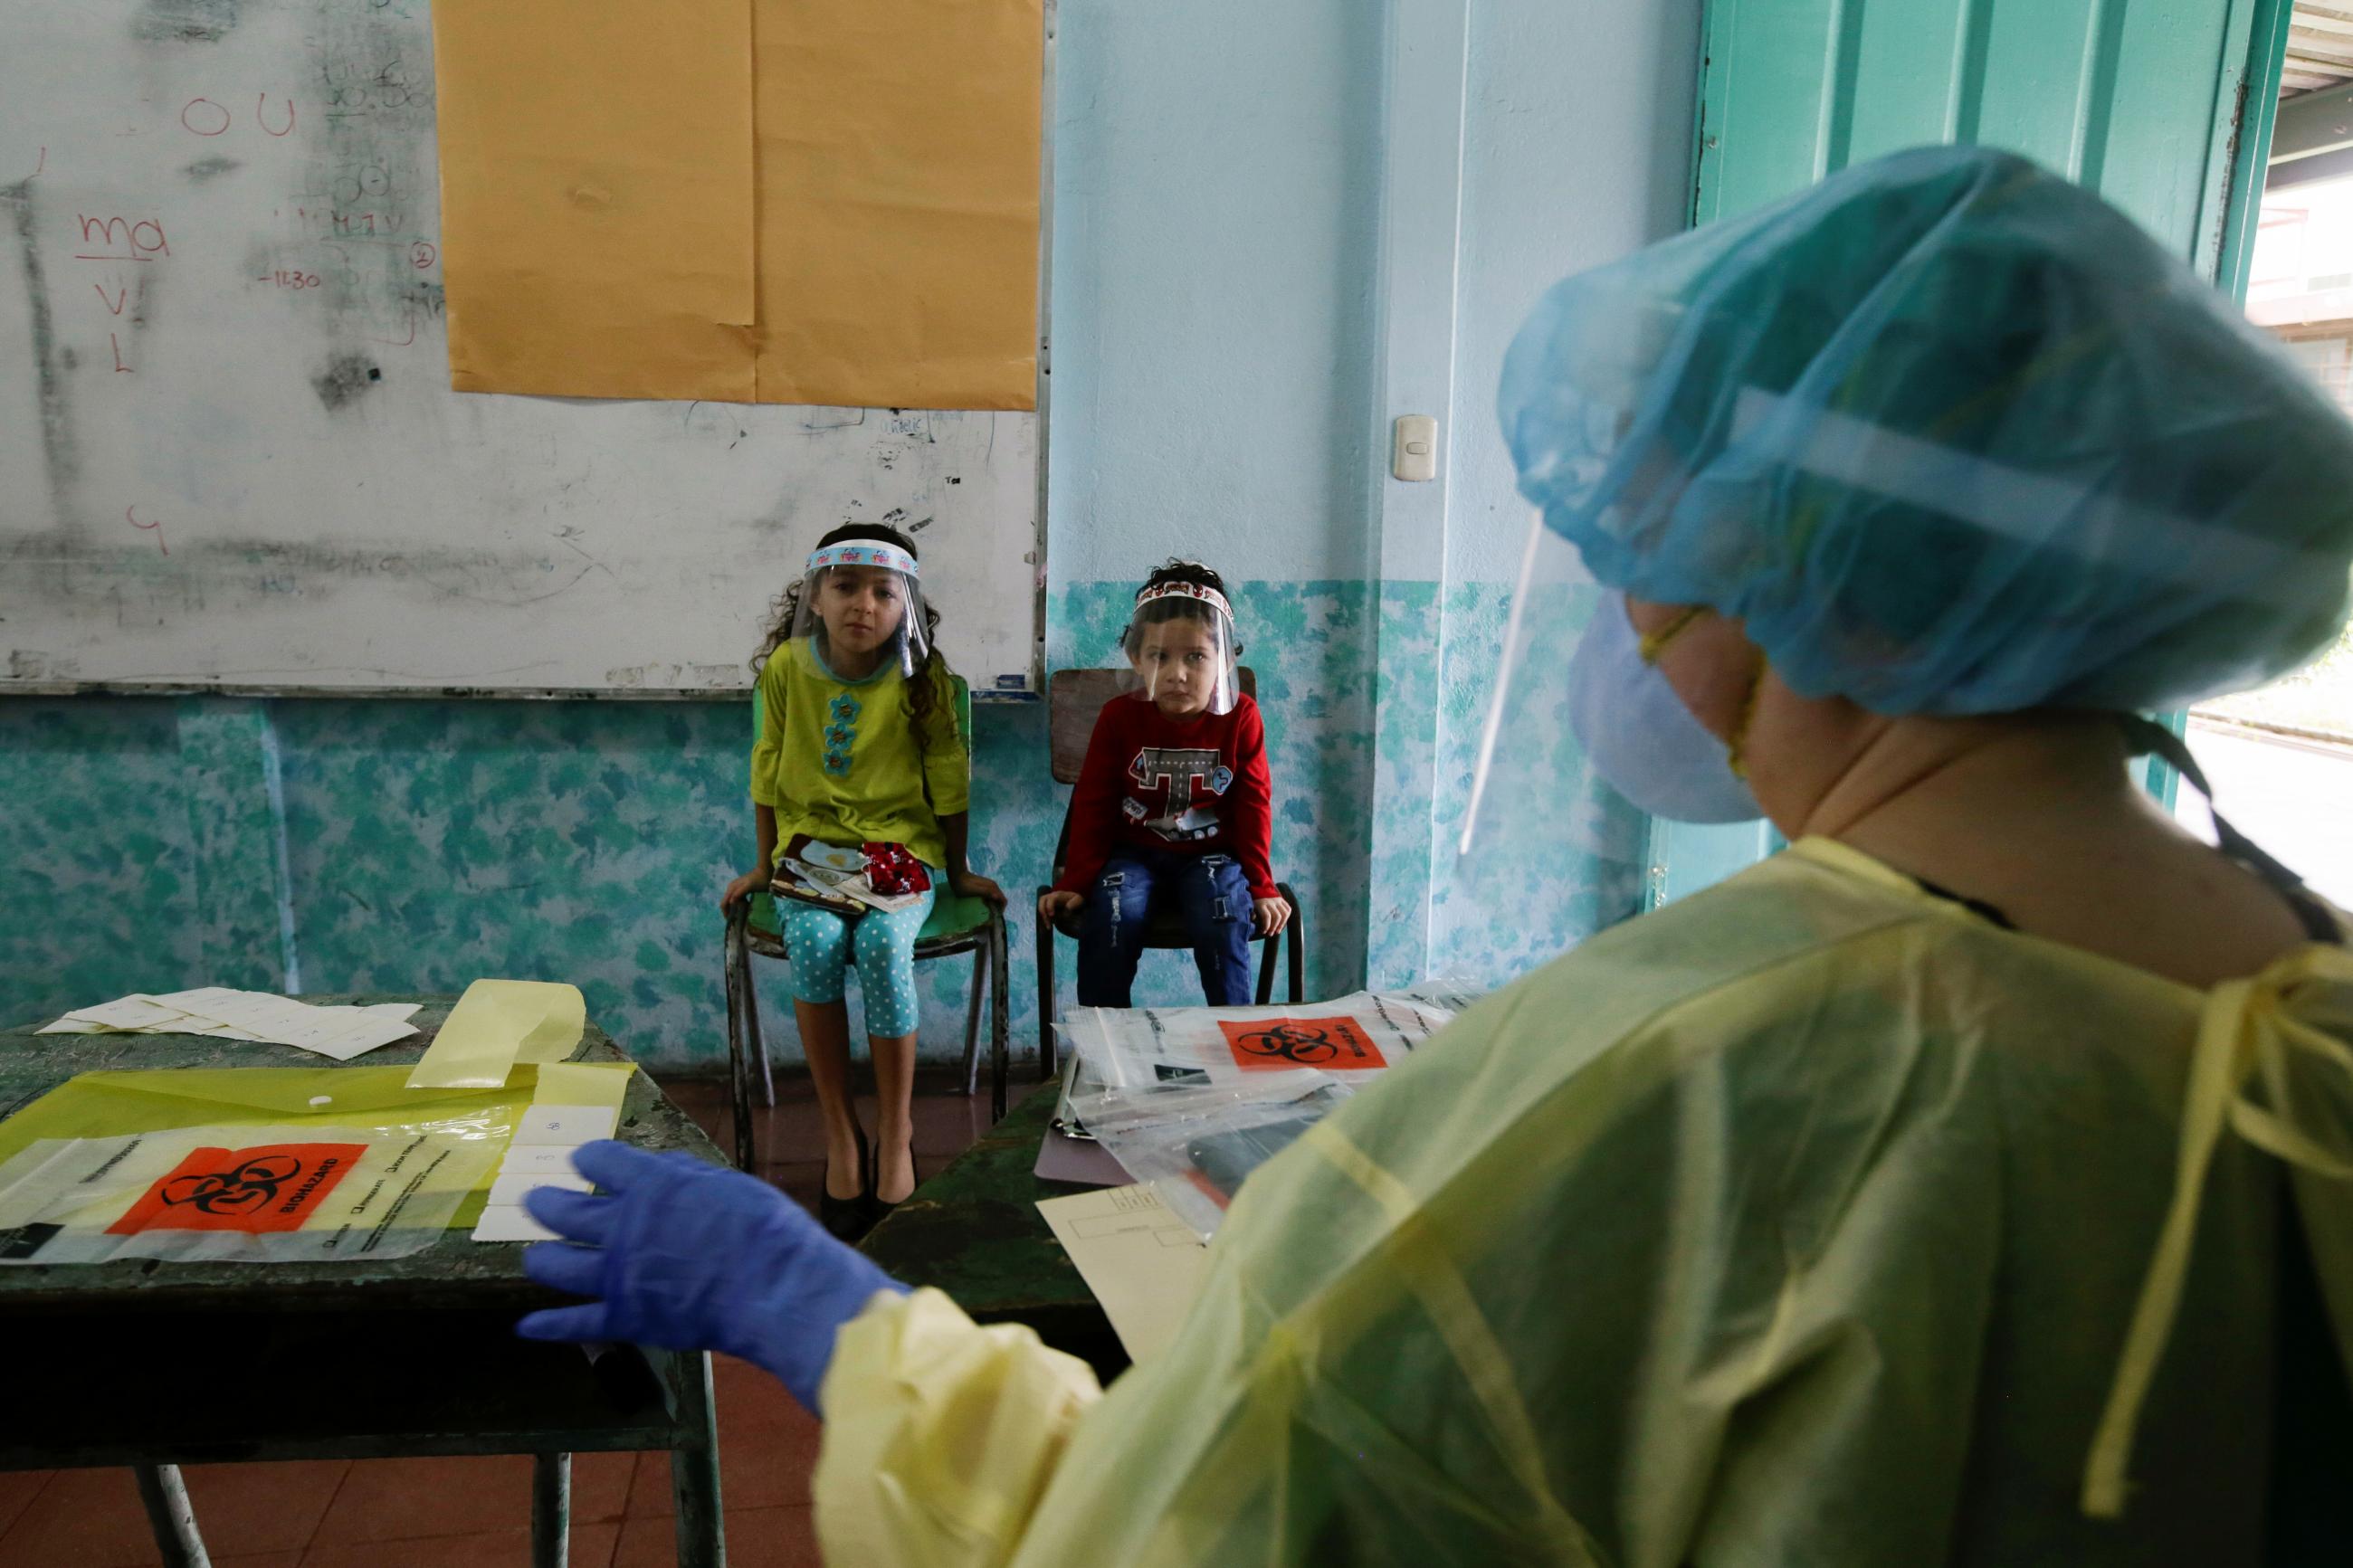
(216, 1012)
(143, 1014)
(389, 1023)
(568, 1126)
(507, 1189)
(135, 1012)
(1144, 1264)
(338, 1032)
(217, 1032)
(544, 1161)
(195, 999)
(510, 1224)
(540, 1156)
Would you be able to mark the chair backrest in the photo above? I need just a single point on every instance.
(1074, 697)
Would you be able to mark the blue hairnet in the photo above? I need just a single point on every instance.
(1949, 434)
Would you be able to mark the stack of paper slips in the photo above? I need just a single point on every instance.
(576, 1103)
(340, 1033)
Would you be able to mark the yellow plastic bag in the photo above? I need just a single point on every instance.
(249, 1164)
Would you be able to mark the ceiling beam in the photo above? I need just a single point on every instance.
(2313, 123)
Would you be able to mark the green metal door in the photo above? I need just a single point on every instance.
(2164, 107)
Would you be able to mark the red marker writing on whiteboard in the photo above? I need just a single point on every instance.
(156, 527)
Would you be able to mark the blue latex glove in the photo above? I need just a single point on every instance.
(687, 1255)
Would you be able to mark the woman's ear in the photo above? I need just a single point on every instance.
(1711, 664)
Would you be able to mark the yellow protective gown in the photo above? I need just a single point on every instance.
(1806, 1221)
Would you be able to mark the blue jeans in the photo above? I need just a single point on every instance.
(1209, 891)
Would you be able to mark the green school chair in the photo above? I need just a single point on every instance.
(1074, 698)
(957, 924)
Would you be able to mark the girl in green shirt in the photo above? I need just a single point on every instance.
(860, 749)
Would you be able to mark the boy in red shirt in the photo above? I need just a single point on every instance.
(1172, 803)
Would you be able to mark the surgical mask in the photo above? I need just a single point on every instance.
(1637, 734)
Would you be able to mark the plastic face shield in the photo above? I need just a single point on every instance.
(1180, 648)
(862, 602)
(1541, 844)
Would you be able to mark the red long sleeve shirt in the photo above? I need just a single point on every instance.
(1195, 786)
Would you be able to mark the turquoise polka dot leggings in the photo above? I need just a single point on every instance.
(821, 945)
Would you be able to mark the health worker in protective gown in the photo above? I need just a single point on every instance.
(1971, 1183)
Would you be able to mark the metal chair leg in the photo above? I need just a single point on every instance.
(1046, 934)
(758, 1039)
(1267, 948)
(972, 1022)
(1297, 933)
(551, 1510)
(1000, 1013)
(739, 1066)
(171, 1516)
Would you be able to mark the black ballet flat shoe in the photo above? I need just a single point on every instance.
(847, 1219)
(881, 1209)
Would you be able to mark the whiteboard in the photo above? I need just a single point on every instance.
(229, 458)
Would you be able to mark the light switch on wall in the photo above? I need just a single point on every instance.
(1413, 449)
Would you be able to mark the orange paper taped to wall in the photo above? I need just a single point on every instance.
(779, 201)
(597, 197)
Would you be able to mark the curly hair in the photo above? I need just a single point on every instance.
(924, 688)
(1174, 608)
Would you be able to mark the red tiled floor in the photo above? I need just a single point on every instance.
(791, 1131)
(95, 1517)
(17, 1491)
(790, 1148)
(767, 1448)
(948, 1124)
(261, 1508)
(592, 1547)
(82, 1519)
(801, 1181)
(756, 1538)
(600, 1487)
(398, 1500)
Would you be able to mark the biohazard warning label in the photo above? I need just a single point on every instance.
(1337, 1044)
(274, 1187)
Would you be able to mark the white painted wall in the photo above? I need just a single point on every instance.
(1215, 244)
(1217, 189)
(1576, 150)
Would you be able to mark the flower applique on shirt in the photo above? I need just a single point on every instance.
(841, 734)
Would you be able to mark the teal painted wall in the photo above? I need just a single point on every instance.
(425, 844)
(2137, 99)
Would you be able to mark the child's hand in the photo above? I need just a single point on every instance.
(1053, 905)
(1269, 915)
(741, 889)
(973, 885)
